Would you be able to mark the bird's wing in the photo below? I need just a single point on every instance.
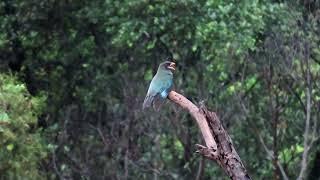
(157, 102)
(148, 101)
(152, 92)
(157, 93)
(160, 97)
(155, 99)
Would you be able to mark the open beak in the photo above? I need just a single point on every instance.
(172, 66)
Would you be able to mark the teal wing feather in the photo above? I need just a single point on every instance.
(161, 96)
(157, 102)
(147, 101)
(152, 92)
(157, 93)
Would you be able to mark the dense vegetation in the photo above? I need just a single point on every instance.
(22, 147)
(75, 73)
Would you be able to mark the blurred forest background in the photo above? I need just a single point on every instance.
(74, 74)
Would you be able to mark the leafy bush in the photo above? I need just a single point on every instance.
(22, 147)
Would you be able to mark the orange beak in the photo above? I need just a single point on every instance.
(172, 66)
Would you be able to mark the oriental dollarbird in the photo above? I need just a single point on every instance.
(160, 86)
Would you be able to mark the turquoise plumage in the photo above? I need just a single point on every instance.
(160, 86)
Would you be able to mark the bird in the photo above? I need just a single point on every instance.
(160, 86)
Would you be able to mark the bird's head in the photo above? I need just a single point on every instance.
(168, 65)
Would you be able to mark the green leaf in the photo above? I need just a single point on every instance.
(10, 147)
(148, 75)
(4, 117)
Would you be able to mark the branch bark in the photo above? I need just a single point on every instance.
(219, 147)
(307, 142)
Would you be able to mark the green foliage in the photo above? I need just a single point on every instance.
(94, 60)
(23, 148)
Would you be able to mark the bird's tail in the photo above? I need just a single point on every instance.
(147, 102)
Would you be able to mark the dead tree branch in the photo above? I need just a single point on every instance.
(307, 142)
(219, 146)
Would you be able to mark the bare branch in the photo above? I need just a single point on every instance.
(200, 169)
(306, 143)
(219, 146)
(200, 118)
